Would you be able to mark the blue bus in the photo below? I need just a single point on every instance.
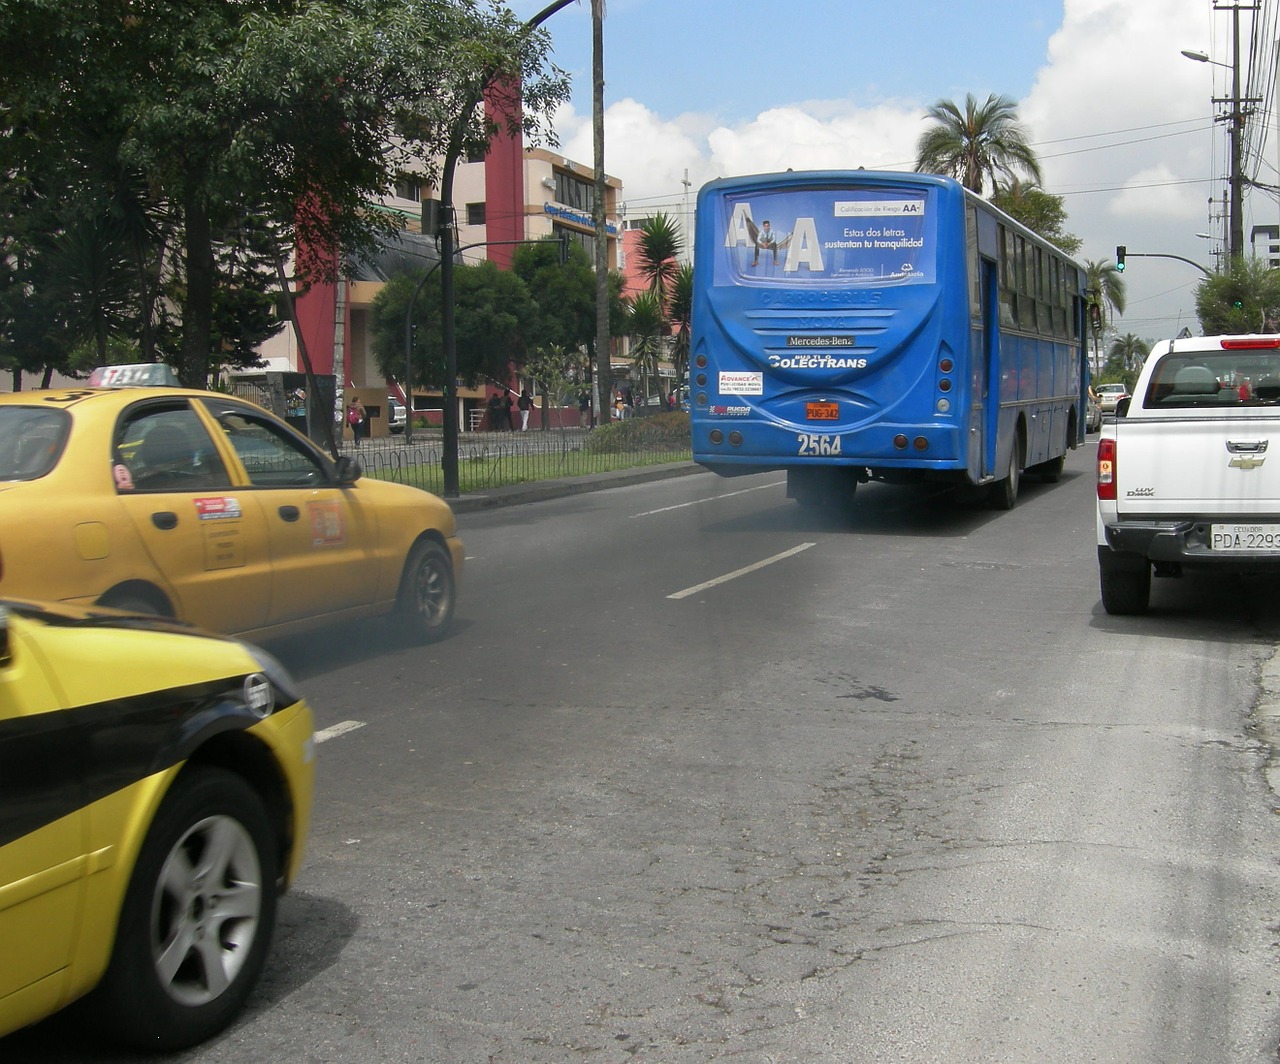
(859, 325)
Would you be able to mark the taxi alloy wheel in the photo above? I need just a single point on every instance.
(427, 593)
(197, 918)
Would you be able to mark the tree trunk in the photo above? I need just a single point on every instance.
(197, 311)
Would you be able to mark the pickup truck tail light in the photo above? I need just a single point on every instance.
(1106, 469)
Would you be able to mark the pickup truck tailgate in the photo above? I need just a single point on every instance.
(1211, 465)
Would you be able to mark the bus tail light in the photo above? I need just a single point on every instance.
(1107, 469)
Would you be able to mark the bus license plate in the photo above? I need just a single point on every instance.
(822, 411)
(1244, 537)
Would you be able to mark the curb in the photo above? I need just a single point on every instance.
(1266, 719)
(542, 490)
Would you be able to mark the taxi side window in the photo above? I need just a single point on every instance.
(167, 450)
(270, 458)
(31, 441)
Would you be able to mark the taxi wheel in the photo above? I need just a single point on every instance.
(197, 918)
(427, 592)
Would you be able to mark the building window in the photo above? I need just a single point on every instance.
(475, 214)
(574, 192)
(409, 186)
(587, 240)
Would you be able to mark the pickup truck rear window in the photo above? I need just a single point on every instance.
(1215, 379)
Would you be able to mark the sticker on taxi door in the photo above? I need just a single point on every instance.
(223, 540)
(327, 529)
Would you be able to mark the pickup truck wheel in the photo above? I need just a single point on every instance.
(1125, 592)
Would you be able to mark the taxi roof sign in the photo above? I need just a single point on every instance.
(140, 375)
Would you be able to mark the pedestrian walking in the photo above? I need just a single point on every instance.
(357, 418)
(495, 412)
(525, 403)
(584, 409)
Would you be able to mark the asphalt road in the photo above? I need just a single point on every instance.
(703, 776)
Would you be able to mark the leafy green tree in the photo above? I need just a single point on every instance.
(564, 293)
(1244, 299)
(983, 142)
(494, 315)
(555, 370)
(1039, 211)
(291, 115)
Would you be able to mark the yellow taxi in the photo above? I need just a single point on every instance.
(155, 794)
(206, 507)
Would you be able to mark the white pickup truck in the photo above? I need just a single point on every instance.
(1185, 475)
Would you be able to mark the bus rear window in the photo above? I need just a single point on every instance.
(827, 237)
(1216, 379)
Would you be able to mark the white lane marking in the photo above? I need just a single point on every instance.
(338, 729)
(711, 498)
(741, 572)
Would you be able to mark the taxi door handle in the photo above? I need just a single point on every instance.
(164, 519)
(289, 513)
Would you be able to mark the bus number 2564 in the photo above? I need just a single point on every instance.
(812, 446)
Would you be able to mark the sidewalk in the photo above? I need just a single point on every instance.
(540, 490)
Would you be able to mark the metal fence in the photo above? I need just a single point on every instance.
(491, 459)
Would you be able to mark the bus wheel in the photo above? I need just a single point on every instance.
(1051, 471)
(1004, 492)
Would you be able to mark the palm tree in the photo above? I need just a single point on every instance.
(1129, 350)
(648, 328)
(659, 248)
(680, 313)
(985, 141)
(1105, 286)
(1104, 291)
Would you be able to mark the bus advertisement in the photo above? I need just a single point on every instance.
(855, 325)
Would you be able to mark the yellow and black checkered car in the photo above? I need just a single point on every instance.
(155, 793)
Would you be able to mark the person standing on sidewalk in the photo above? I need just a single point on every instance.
(525, 403)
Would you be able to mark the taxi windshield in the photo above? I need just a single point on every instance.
(31, 441)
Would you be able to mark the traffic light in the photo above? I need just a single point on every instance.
(1120, 250)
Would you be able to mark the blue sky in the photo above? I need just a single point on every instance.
(1124, 126)
(735, 58)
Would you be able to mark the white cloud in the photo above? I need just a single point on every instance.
(1123, 125)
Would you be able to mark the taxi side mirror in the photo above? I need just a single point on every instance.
(349, 470)
(1122, 407)
(6, 648)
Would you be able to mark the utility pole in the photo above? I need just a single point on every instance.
(604, 364)
(1235, 240)
(1235, 116)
